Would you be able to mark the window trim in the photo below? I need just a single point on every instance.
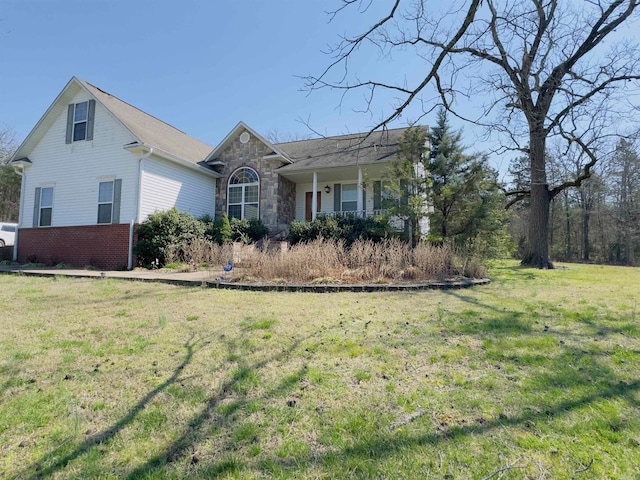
(77, 122)
(243, 203)
(111, 202)
(88, 121)
(343, 201)
(42, 207)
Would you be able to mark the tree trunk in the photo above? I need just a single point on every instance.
(443, 227)
(537, 253)
(628, 246)
(567, 218)
(586, 216)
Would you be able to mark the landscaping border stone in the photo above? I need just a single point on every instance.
(194, 279)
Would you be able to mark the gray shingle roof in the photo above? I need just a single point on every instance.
(150, 130)
(355, 149)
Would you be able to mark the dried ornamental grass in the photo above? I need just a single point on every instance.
(364, 261)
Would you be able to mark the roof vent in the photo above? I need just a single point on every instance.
(244, 137)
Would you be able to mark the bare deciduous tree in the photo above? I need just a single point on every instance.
(9, 180)
(535, 69)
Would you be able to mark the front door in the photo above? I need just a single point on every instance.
(307, 205)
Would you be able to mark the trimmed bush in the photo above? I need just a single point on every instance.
(164, 234)
(341, 227)
(248, 231)
(223, 231)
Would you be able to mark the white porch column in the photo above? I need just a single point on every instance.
(360, 203)
(314, 197)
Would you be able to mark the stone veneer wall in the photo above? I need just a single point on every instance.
(277, 195)
(286, 203)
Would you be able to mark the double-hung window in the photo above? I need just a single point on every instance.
(80, 120)
(45, 207)
(105, 202)
(80, 116)
(349, 201)
(109, 192)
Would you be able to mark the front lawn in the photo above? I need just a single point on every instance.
(534, 376)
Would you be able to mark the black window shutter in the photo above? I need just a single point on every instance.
(337, 197)
(36, 209)
(117, 191)
(90, 119)
(69, 123)
(377, 195)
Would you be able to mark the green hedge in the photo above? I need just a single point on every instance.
(172, 230)
(344, 226)
(163, 232)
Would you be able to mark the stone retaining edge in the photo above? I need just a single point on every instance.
(365, 288)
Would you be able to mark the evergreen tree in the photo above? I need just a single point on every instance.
(464, 191)
(407, 184)
(224, 234)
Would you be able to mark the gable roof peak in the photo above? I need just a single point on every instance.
(237, 131)
(145, 128)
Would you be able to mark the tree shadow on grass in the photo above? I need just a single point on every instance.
(386, 445)
(11, 370)
(39, 470)
(210, 419)
(556, 384)
(220, 411)
(232, 393)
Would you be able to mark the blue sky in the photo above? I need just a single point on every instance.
(201, 66)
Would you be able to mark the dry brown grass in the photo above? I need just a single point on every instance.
(329, 261)
(201, 252)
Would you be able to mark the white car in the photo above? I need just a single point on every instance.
(7, 234)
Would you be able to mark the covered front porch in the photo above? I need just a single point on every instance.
(338, 191)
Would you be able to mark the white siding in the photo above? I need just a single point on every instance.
(165, 185)
(326, 199)
(74, 170)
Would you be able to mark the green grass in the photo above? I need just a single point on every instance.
(533, 376)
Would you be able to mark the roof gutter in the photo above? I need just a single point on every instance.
(147, 150)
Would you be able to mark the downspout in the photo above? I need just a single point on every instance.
(138, 197)
(23, 181)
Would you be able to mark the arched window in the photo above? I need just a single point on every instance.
(243, 193)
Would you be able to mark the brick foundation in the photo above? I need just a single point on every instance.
(102, 246)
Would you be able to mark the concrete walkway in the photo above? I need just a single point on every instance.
(213, 279)
(165, 276)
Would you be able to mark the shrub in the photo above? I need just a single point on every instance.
(248, 231)
(166, 233)
(349, 228)
(226, 230)
(222, 228)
